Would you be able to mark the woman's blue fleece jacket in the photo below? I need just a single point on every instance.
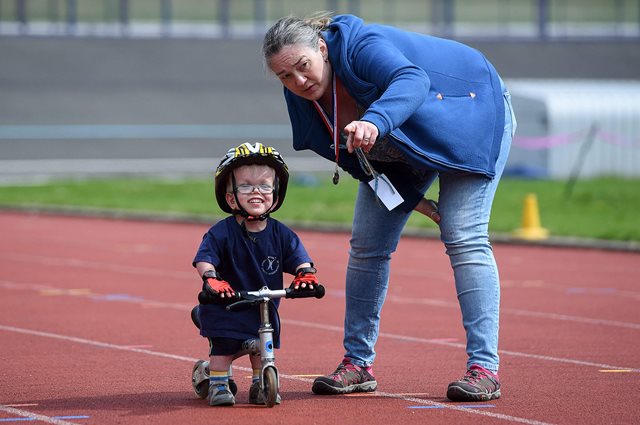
(438, 101)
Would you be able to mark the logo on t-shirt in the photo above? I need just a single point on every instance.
(270, 265)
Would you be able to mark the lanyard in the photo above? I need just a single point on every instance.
(332, 126)
(334, 130)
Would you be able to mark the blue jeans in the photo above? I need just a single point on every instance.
(465, 201)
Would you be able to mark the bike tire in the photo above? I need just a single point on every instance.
(270, 387)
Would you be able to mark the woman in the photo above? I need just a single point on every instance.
(407, 108)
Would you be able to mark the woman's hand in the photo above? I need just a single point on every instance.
(429, 208)
(360, 134)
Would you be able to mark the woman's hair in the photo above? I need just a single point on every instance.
(293, 30)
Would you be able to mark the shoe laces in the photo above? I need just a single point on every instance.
(474, 375)
(344, 368)
(221, 389)
(349, 367)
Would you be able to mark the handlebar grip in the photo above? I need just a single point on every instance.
(318, 292)
(206, 298)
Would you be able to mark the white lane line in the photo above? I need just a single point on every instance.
(406, 338)
(141, 271)
(518, 312)
(95, 343)
(444, 342)
(34, 416)
(100, 344)
(452, 406)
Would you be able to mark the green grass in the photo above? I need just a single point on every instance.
(605, 208)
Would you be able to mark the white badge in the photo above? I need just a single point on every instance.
(386, 192)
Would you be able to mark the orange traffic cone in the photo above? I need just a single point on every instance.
(531, 229)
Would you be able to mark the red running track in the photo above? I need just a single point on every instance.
(95, 329)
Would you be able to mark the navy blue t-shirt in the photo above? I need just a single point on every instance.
(247, 265)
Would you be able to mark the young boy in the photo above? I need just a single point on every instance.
(245, 251)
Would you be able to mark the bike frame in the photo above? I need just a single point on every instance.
(267, 355)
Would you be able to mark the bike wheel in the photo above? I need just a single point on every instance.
(270, 387)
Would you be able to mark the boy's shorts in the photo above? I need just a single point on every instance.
(220, 346)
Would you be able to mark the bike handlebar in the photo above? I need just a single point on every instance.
(247, 298)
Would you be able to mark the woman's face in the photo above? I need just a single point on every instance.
(303, 70)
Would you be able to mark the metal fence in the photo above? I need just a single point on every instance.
(537, 20)
(569, 129)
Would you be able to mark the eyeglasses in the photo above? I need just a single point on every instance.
(246, 189)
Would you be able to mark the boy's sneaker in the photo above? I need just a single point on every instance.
(257, 397)
(200, 380)
(478, 384)
(220, 395)
(348, 378)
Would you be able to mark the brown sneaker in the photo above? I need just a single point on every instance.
(348, 378)
(478, 384)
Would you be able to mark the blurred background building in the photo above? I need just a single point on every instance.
(164, 87)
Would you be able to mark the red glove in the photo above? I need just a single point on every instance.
(215, 286)
(305, 279)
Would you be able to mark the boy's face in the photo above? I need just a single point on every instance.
(254, 203)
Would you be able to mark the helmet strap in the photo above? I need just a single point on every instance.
(243, 225)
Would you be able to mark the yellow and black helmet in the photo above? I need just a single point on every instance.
(247, 154)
